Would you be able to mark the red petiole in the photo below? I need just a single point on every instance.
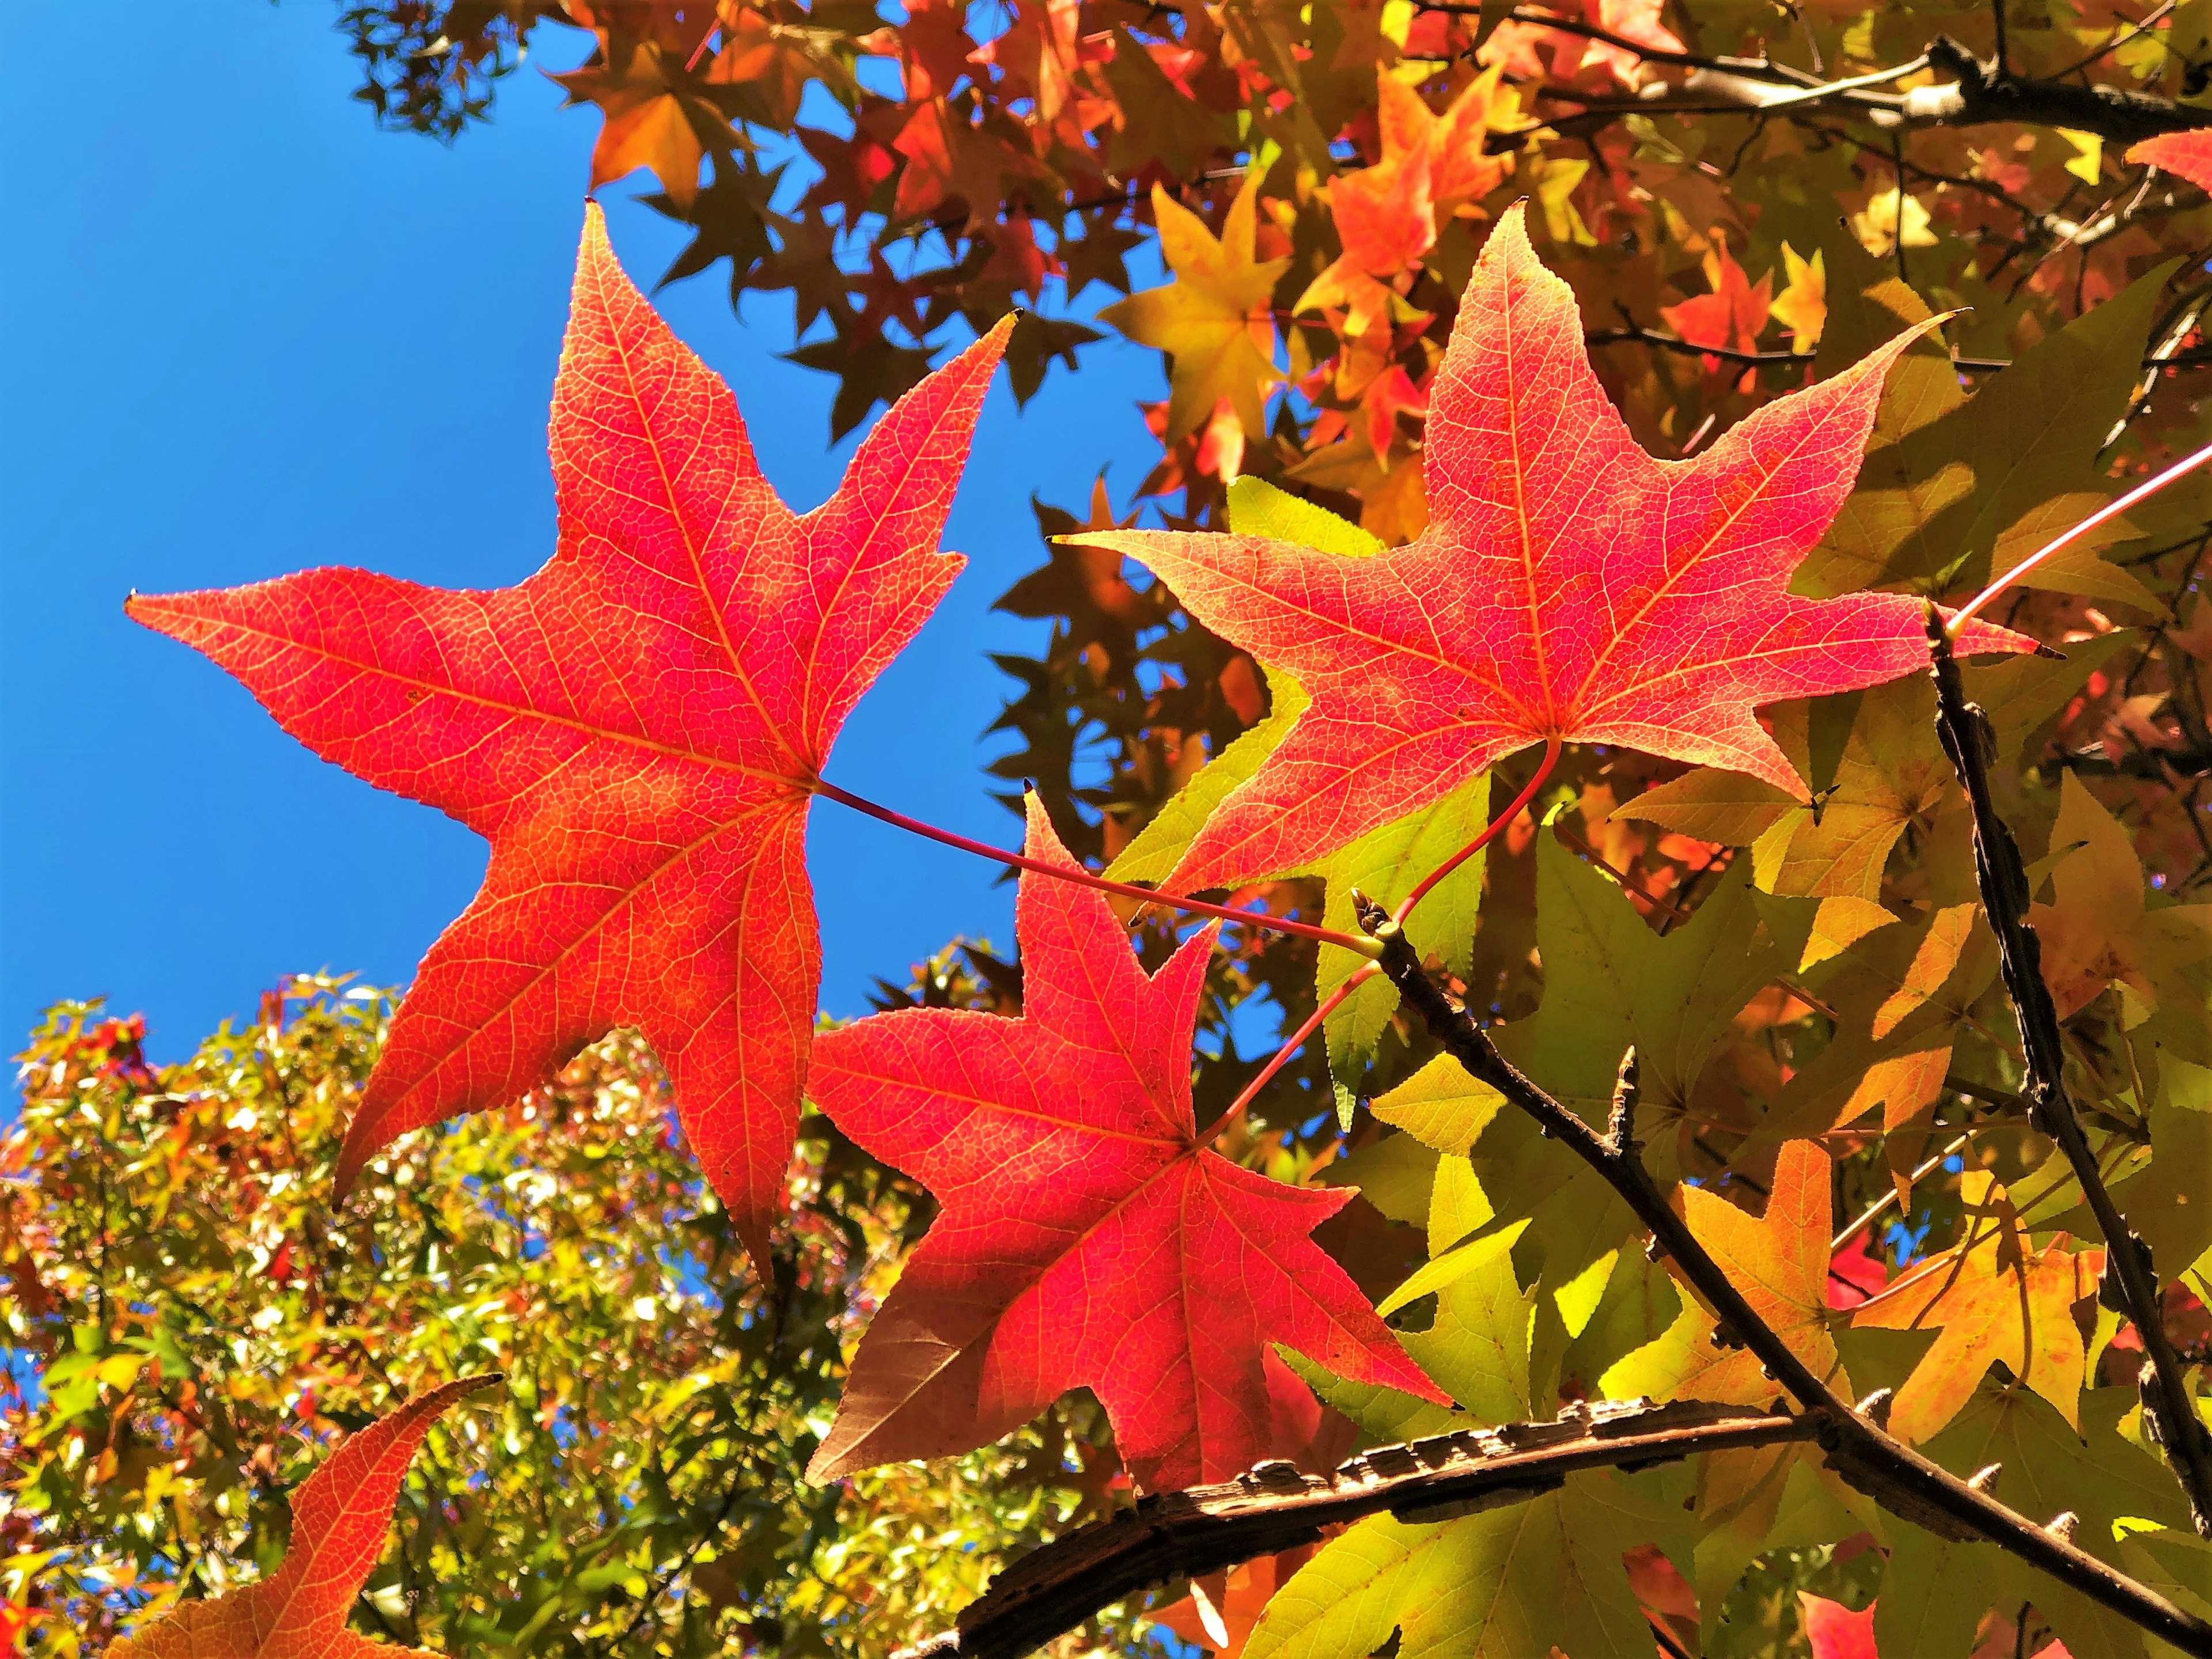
(1365, 947)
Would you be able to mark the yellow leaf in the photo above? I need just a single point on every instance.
(1802, 306)
(1214, 320)
(1877, 224)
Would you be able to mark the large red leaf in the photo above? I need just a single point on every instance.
(339, 1518)
(637, 728)
(1087, 1238)
(1569, 584)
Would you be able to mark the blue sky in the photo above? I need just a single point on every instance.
(247, 333)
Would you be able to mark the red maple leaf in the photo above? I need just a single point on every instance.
(637, 729)
(339, 1518)
(2189, 154)
(1855, 1273)
(1833, 1630)
(1568, 586)
(1087, 1237)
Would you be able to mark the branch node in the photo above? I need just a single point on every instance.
(1875, 1408)
(2063, 1525)
(1627, 1089)
(1984, 1479)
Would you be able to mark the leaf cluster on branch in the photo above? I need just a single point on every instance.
(1720, 828)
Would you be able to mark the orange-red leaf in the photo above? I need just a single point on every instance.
(1833, 1630)
(1087, 1237)
(637, 729)
(2189, 154)
(339, 1518)
(1568, 584)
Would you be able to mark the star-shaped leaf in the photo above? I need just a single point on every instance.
(1568, 585)
(1779, 1261)
(339, 1519)
(637, 728)
(1213, 320)
(2097, 931)
(1543, 1575)
(1088, 1238)
(1994, 1299)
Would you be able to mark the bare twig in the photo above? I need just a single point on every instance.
(2128, 1285)
(1187, 1534)
(1632, 334)
(1858, 1447)
(1978, 94)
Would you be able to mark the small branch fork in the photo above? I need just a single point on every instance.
(1858, 1448)
(2129, 1283)
(1187, 1534)
(1979, 92)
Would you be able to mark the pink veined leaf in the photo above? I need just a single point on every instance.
(1568, 585)
(1088, 1237)
(637, 729)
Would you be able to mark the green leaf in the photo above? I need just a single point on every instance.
(1441, 1105)
(1502, 1584)
(1394, 1174)
(1610, 980)
(1953, 488)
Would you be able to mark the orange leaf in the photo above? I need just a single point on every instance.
(339, 1519)
(1991, 1303)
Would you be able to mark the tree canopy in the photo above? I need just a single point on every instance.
(1702, 774)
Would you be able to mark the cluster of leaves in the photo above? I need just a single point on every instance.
(202, 1326)
(1781, 915)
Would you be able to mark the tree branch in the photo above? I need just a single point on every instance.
(1980, 94)
(1635, 334)
(2128, 1285)
(1858, 1449)
(1185, 1535)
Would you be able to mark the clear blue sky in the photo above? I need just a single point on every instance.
(247, 333)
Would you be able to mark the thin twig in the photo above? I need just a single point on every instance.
(1858, 1449)
(1635, 335)
(2129, 1283)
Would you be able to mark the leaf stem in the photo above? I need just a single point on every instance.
(1292, 1044)
(2129, 1283)
(1365, 947)
(1512, 811)
(2110, 509)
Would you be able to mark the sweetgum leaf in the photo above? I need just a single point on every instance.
(1385, 864)
(1780, 1262)
(339, 1518)
(1609, 980)
(1957, 487)
(1568, 585)
(2189, 154)
(1992, 1302)
(1088, 1238)
(637, 729)
(1541, 1575)
(1212, 318)
(1936, 1590)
